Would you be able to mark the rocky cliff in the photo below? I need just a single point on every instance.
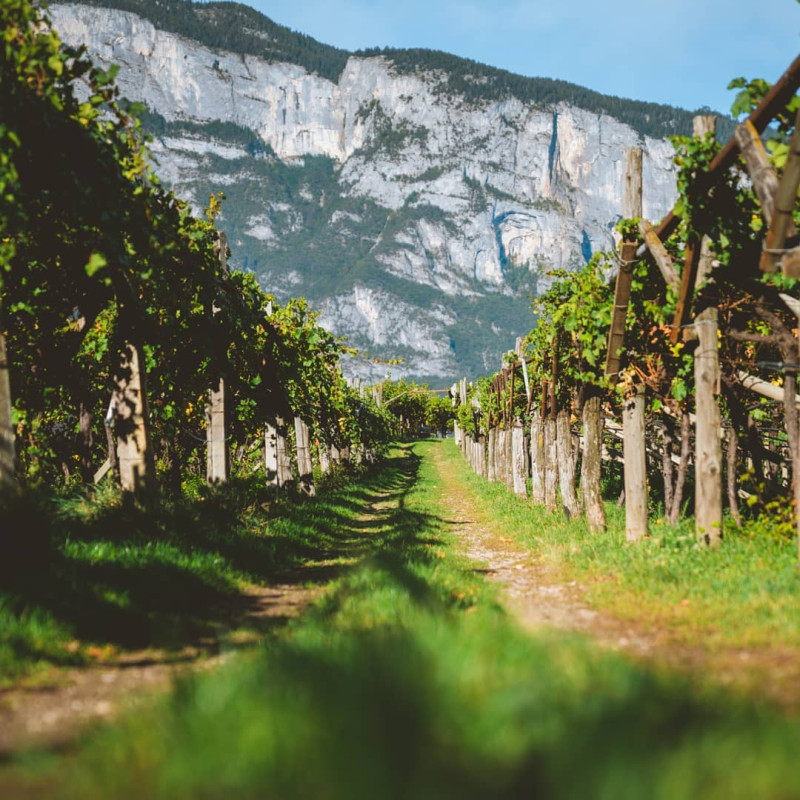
(416, 218)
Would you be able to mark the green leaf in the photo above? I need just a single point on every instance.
(96, 262)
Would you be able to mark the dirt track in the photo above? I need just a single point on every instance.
(540, 598)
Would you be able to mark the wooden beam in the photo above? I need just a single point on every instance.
(759, 168)
(688, 277)
(782, 226)
(762, 387)
(771, 104)
(660, 255)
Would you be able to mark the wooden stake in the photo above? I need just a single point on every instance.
(216, 446)
(132, 423)
(550, 465)
(591, 464)
(8, 476)
(708, 445)
(271, 454)
(305, 466)
(635, 466)
(492, 467)
(518, 460)
(537, 459)
(566, 473)
(285, 475)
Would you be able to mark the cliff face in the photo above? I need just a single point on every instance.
(415, 220)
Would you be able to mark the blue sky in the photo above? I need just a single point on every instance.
(681, 52)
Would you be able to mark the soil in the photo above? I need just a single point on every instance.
(540, 598)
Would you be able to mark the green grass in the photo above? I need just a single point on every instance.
(744, 594)
(409, 681)
(94, 570)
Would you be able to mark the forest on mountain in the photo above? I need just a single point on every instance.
(241, 29)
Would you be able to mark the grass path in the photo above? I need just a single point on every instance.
(543, 589)
(407, 678)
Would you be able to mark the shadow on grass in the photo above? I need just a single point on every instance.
(169, 575)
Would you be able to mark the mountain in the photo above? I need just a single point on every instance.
(416, 199)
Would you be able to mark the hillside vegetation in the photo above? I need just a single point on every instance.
(241, 29)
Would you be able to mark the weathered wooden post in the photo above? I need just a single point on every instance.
(635, 457)
(216, 446)
(518, 460)
(217, 465)
(305, 467)
(7, 450)
(708, 432)
(537, 458)
(324, 457)
(634, 454)
(492, 467)
(132, 423)
(285, 475)
(508, 456)
(790, 403)
(566, 472)
(271, 454)
(591, 463)
(550, 464)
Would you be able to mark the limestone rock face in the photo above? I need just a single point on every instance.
(408, 215)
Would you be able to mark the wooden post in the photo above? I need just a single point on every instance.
(537, 459)
(631, 208)
(505, 458)
(217, 464)
(550, 465)
(216, 446)
(591, 464)
(492, 466)
(708, 445)
(632, 183)
(518, 461)
(509, 457)
(793, 419)
(566, 474)
(635, 466)
(8, 476)
(324, 458)
(285, 475)
(132, 423)
(271, 454)
(305, 467)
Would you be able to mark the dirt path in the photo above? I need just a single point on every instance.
(539, 598)
(54, 709)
